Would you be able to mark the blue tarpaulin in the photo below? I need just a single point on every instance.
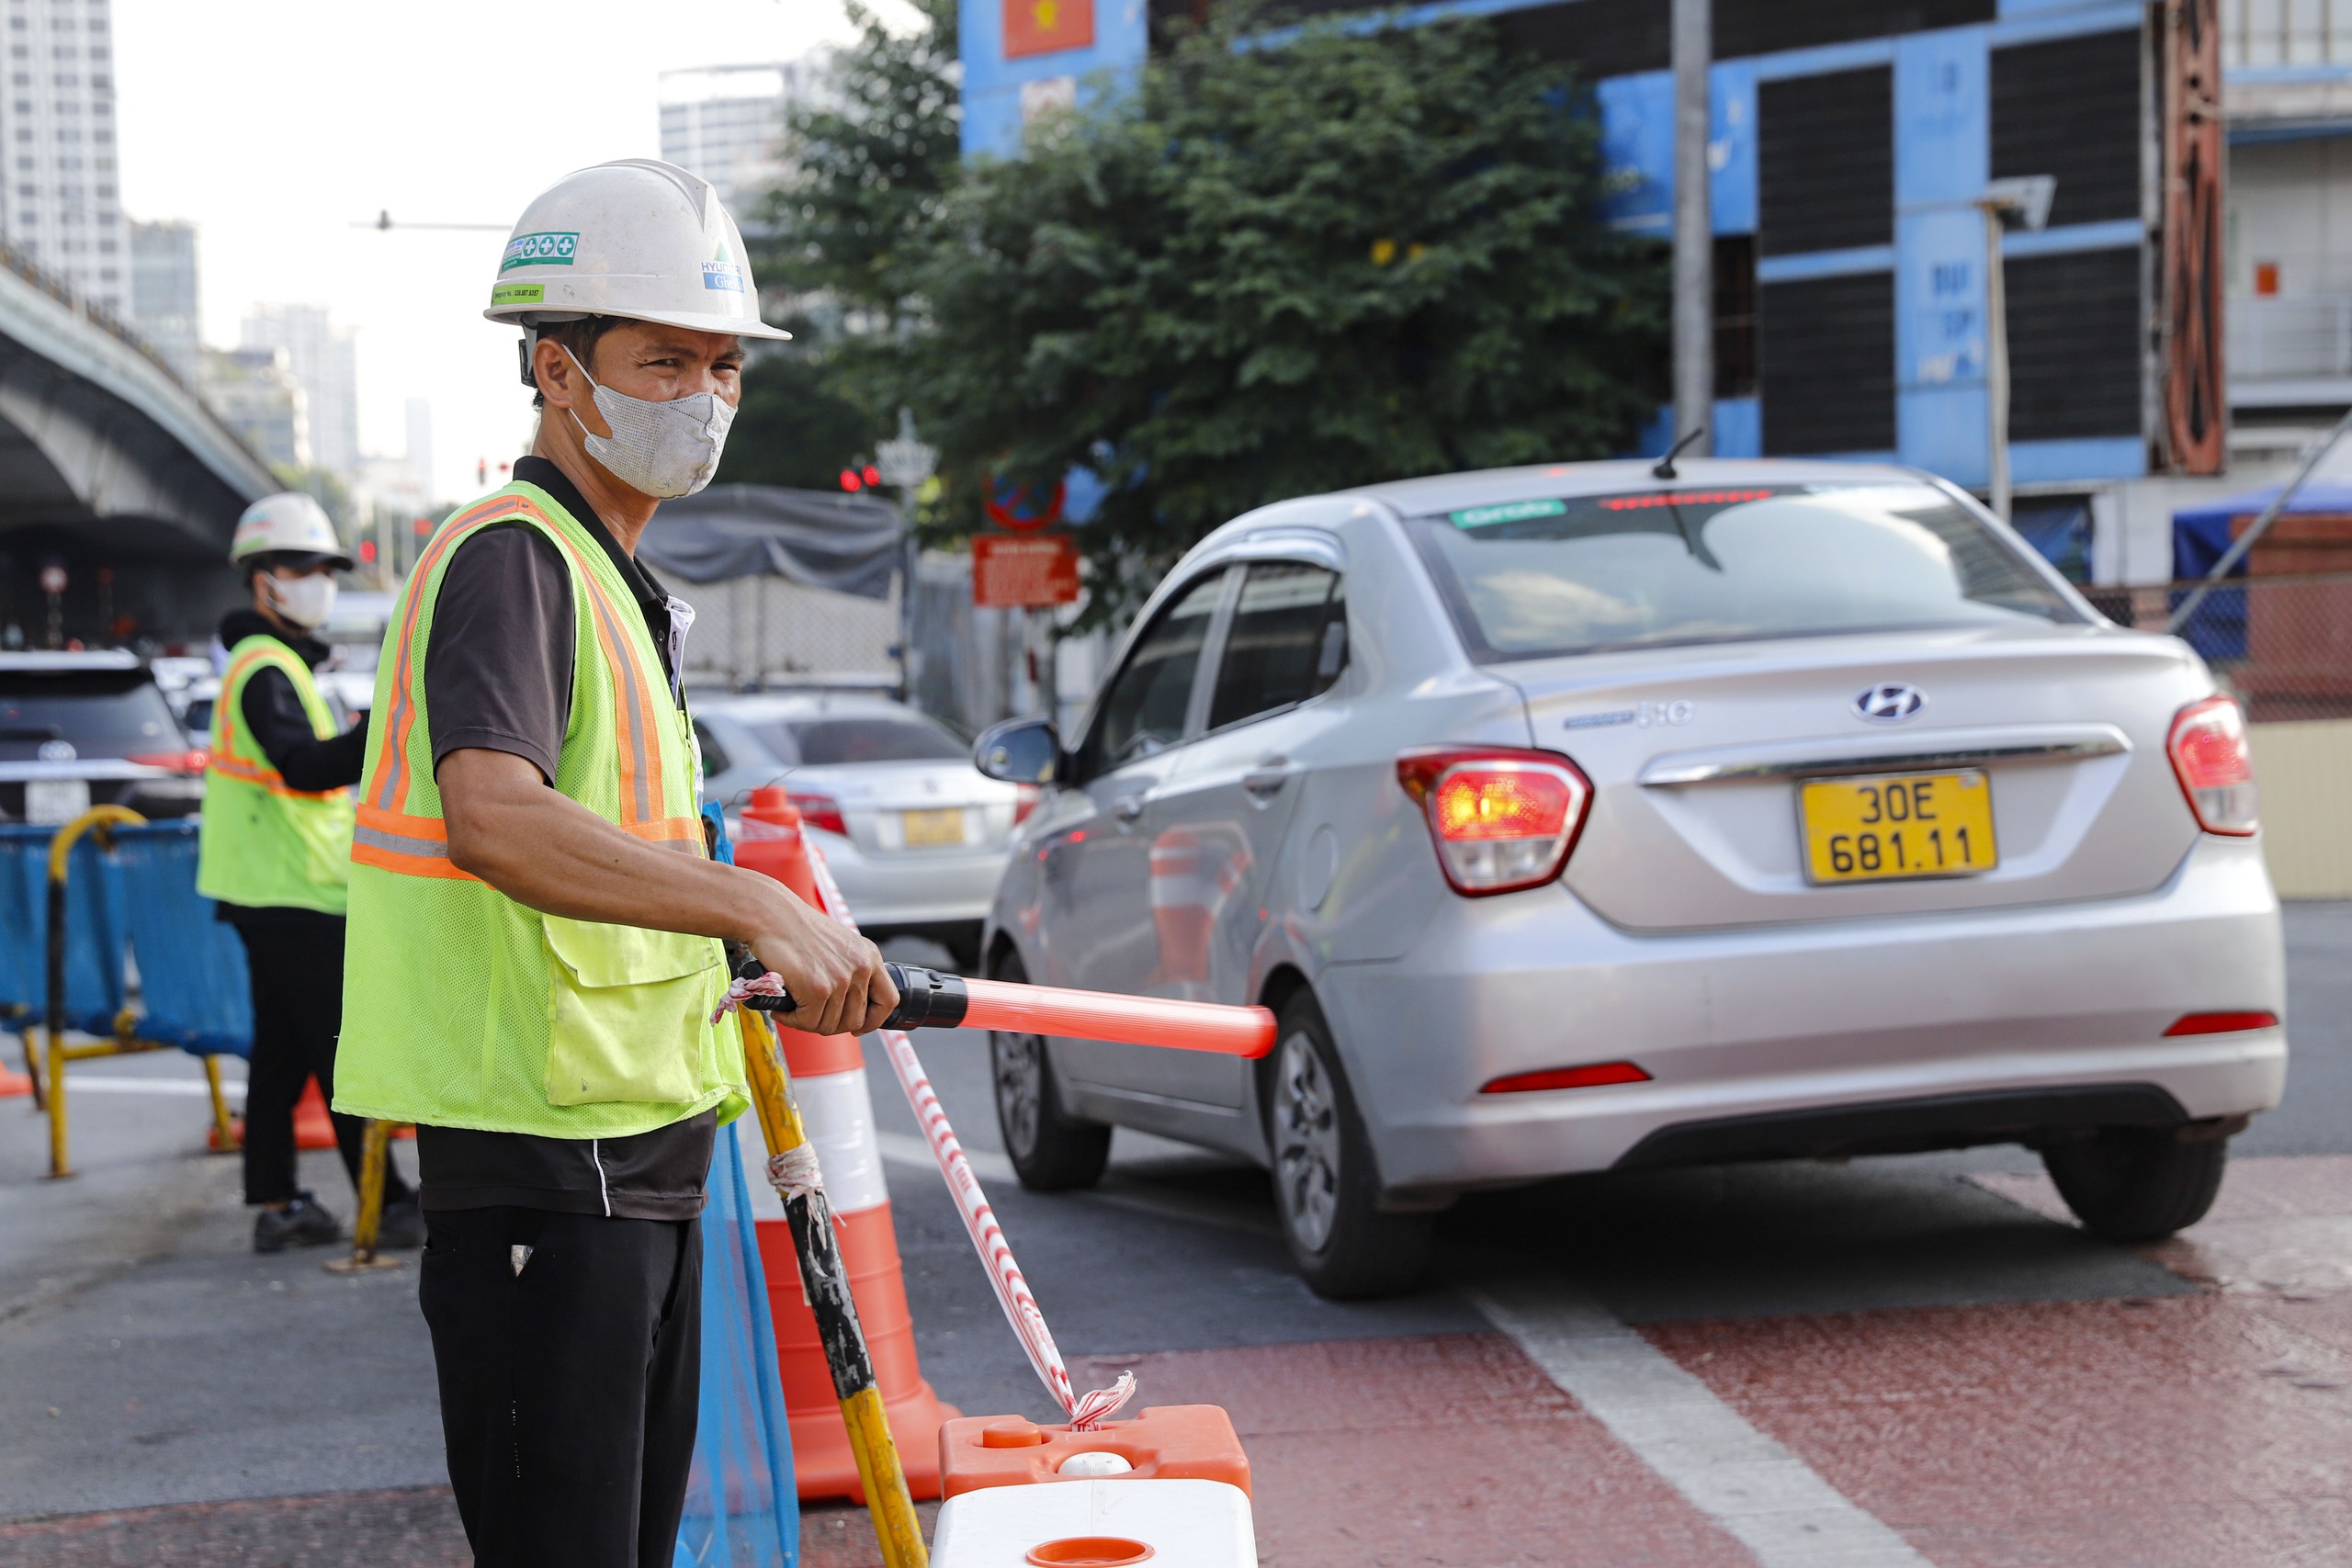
(94, 977)
(2201, 537)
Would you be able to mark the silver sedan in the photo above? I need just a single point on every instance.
(1575, 819)
(914, 834)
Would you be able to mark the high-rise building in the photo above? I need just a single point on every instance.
(58, 203)
(725, 123)
(322, 358)
(163, 293)
(420, 443)
(255, 394)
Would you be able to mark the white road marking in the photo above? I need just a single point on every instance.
(1770, 1500)
(230, 1088)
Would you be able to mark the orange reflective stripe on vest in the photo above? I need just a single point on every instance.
(390, 836)
(230, 757)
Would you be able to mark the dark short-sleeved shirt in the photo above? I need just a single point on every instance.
(498, 677)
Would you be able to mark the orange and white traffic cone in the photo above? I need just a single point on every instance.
(314, 1128)
(828, 1085)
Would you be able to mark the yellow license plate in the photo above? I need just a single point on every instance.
(1898, 825)
(930, 829)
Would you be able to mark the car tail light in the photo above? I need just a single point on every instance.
(1589, 1076)
(190, 761)
(821, 811)
(1502, 820)
(2221, 1023)
(2210, 756)
(1024, 800)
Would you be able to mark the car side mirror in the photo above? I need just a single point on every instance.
(1018, 751)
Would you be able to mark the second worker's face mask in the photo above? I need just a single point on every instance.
(306, 601)
(661, 450)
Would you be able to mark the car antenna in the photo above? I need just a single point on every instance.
(1664, 468)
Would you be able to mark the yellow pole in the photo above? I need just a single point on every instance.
(60, 856)
(224, 1131)
(826, 1284)
(375, 1150)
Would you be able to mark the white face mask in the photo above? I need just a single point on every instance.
(305, 600)
(661, 450)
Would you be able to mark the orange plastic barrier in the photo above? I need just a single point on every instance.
(1167, 1442)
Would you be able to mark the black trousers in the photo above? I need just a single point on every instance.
(296, 964)
(568, 1391)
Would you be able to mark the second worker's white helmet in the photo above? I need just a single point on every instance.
(291, 524)
(635, 238)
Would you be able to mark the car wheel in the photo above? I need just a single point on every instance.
(2137, 1183)
(1051, 1151)
(1326, 1188)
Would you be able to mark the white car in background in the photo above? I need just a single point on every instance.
(911, 830)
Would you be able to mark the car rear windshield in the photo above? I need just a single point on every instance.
(99, 711)
(822, 742)
(1529, 579)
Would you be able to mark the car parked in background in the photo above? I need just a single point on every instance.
(80, 730)
(914, 834)
(1582, 817)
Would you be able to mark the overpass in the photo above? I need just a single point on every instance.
(112, 468)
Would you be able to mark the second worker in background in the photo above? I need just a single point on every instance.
(275, 852)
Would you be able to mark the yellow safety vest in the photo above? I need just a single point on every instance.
(462, 1007)
(259, 842)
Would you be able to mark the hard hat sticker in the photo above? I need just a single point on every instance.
(517, 294)
(722, 276)
(539, 250)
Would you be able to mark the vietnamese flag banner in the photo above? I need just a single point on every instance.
(1046, 26)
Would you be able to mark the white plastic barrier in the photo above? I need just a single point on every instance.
(1101, 1524)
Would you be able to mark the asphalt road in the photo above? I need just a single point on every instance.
(147, 1359)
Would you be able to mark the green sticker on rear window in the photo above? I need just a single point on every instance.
(517, 294)
(1508, 512)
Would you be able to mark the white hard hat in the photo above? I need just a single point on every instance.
(289, 523)
(636, 238)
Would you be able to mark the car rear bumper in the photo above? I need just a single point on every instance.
(1933, 1030)
(912, 888)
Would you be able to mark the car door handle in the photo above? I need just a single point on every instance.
(1268, 778)
(1127, 808)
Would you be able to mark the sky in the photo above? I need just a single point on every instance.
(277, 126)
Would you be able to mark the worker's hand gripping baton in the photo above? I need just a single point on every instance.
(929, 1000)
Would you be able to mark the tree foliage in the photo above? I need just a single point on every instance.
(870, 160)
(1272, 269)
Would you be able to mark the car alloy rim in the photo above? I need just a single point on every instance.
(1020, 1063)
(1307, 1143)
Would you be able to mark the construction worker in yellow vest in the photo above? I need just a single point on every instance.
(275, 849)
(537, 935)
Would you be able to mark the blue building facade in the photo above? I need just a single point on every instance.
(1849, 137)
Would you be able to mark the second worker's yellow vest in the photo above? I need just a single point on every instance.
(462, 1007)
(260, 843)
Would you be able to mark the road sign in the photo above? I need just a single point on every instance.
(1019, 573)
(1020, 508)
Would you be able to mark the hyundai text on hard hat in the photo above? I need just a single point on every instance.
(635, 238)
(288, 524)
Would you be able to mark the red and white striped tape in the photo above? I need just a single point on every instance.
(1085, 1411)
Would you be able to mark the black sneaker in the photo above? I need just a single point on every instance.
(403, 1225)
(303, 1223)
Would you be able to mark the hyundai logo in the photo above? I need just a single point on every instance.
(1889, 702)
